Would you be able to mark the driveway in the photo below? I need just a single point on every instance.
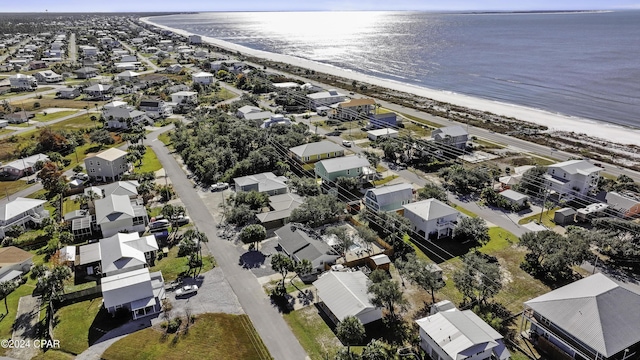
(214, 296)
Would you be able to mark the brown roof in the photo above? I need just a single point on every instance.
(357, 102)
(13, 255)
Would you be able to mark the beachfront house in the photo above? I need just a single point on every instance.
(267, 183)
(452, 334)
(383, 120)
(107, 166)
(203, 78)
(325, 98)
(195, 39)
(22, 167)
(312, 152)
(455, 136)
(431, 218)
(21, 82)
(572, 177)
(594, 318)
(389, 198)
(21, 212)
(354, 109)
(119, 213)
(347, 166)
(343, 294)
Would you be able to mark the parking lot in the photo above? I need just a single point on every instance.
(214, 296)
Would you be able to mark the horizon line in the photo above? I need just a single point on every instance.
(323, 10)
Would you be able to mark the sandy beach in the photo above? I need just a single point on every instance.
(555, 122)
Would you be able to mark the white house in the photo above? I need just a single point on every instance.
(20, 212)
(266, 182)
(204, 78)
(353, 109)
(347, 166)
(455, 334)
(48, 76)
(184, 96)
(126, 252)
(389, 198)
(380, 134)
(120, 115)
(345, 294)
(155, 108)
(275, 119)
(127, 75)
(118, 213)
(21, 82)
(325, 98)
(572, 177)
(455, 136)
(137, 291)
(108, 165)
(431, 217)
(21, 167)
(247, 109)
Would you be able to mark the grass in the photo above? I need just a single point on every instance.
(150, 162)
(312, 332)
(69, 205)
(165, 137)
(52, 116)
(543, 161)
(53, 355)
(73, 324)
(57, 103)
(12, 187)
(385, 180)
(12, 94)
(172, 265)
(211, 336)
(421, 121)
(6, 323)
(488, 144)
(547, 218)
(417, 130)
(464, 211)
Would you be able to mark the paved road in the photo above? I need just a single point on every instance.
(273, 330)
(145, 60)
(73, 50)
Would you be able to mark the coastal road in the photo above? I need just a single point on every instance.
(73, 50)
(145, 60)
(273, 330)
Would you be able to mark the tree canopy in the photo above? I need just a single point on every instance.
(478, 279)
(471, 229)
(551, 254)
(317, 210)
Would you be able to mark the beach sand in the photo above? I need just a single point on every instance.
(555, 122)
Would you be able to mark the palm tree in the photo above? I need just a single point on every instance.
(198, 237)
(6, 288)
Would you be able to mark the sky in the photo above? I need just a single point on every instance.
(302, 5)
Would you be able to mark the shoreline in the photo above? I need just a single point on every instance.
(555, 122)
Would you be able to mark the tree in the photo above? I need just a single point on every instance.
(52, 285)
(367, 235)
(465, 181)
(375, 350)
(78, 168)
(350, 331)
(533, 181)
(101, 136)
(419, 272)
(340, 232)
(303, 186)
(478, 279)
(253, 233)
(198, 237)
(472, 229)
(552, 254)
(51, 176)
(317, 210)
(348, 186)
(387, 294)
(282, 264)
(6, 288)
(431, 190)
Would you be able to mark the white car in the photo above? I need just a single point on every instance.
(346, 143)
(219, 186)
(81, 176)
(186, 290)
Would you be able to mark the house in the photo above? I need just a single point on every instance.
(346, 166)
(281, 207)
(389, 198)
(592, 318)
(566, 216)
(68, 93)
(155, 108)
(573, 176)
(431, 218)
(275, 119)
(147, 80)
(298, 245)
(139, 292)
(107, 166)
(514, 197)
(22, 167)
(98, 91)
(453, 334)
(184, 97)
(259, 116)
(247, 109)
(312, 152)
(384, 120)
(117, 213)
(324, 98)
(127, 75)
(17, 118)
(266, 182)
(506, 182)
(126, 252)
(354, 109)
(203, 78)
(343, 294)
(310, 88)
(195, 39)
(455, 136)
(120, 115)
(590, 211)
(217, 65)
(48, 77)
(380, 134)
(127, 187)
(21, 82)
(128, 58)
(21, 212)
(86, 73)
(37, 64)
(14, 262)
(89, 51)
(174, 68)
(626, 204)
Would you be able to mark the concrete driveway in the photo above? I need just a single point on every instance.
(214, 296)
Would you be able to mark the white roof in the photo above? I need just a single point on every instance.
(325, 94)
(128, 73)
(98, 87)
(126, 288)
(576, 167)
(185, 93)
(18, 206)
(113, 208)
(380, 259)
(266, 181)
(202, 74)
(596, 310)
(315, 148)
(68, 253)
(115, 104)
(453, 131)
(122, 251)
(344, 293)
(127, 187)
(286, 85)
(111, 154)
(382, 132)
(27, 162)
(344, 163)
(430, 209)
(514, 195)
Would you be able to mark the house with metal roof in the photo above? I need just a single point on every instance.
(514, 197)
(98, 91)
(573, 176)
(22, 82)
(137, 291)
(22, 167)
(125, 187)
(107, 166)
(626, 204)
(86, 73)
(117, 213)
(347, 166)
(204, 78)
(453, 334)
(266, 182)
(431, 218)
(14, 262)
(345, 294)
(298, 245)
(21, 212)
(316, 151)
(247, 109)
(388, 198)
(455, 136)
(324, 98)
(593, 318)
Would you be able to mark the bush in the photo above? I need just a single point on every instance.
(36, 105)
(174, 325)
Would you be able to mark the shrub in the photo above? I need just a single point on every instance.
(174, 325)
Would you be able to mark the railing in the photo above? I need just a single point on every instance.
(559, 335)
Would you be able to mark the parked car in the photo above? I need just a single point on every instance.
(81, 176)
(186, 290)
(182, 220)
(219, 186)
(159, 224)
(346, 143)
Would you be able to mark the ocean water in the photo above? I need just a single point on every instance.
(579, 64)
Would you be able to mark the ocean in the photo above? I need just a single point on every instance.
(583, 64)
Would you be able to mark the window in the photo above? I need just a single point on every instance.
(92, 170)
(91, 162)
(348, 171)
(98, 163)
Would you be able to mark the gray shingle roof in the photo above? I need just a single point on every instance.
(316, 148)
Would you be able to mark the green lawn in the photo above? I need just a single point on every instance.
(313, 333)
(52, 116)
(421, 121)
(464, 211)
(150, 162)
(547, 218)
(385, 180)
(54, 355)
(6, 323)
(212, 336)
(165, 138)
(73, 325)
(12, 187)
(488, 144)
(12, 94)
(172, 265)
